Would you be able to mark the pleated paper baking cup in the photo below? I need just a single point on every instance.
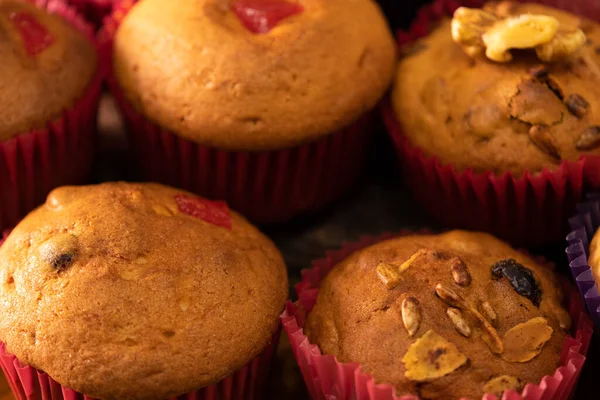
(327, 378)
(530, 210)
(33, 163)
(585, 225)
(271, 186)
(248, 383)
(93, 10)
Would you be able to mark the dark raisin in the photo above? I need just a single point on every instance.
(61, 261)
(521, 279)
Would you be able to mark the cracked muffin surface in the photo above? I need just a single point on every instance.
(137, 291)
(442, 316)
(516, 116)
(314, 73)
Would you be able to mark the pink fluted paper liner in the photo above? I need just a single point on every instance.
(271, 186)
(33, 163)
(530, 210)
(248, 383)
(328, 379)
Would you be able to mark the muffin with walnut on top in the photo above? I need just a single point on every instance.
(442, 316)
(496, 117)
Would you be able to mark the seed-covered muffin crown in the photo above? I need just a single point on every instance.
(427, 312)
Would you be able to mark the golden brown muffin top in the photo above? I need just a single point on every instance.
(46, 66)
(195, 69)
(116, 293)
(437, 316)
(517, 116)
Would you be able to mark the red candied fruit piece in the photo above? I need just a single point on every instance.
(260, 16)
(36, 37)
(213, 212)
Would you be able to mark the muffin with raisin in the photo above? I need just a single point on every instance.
(449, 316)
(50, 79)
(496, 113)
(139, 291)
(254, 103)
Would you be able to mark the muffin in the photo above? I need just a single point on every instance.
(445, 316)
(517, 131)
(50, 80)
(583, 251)
(262, 103)
(139, 291)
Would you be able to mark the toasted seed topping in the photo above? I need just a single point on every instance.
(411, 315)
(488, 312)
(589, 139)
(460, 272)
(577, 105)
(406, 264)
(540, 136)
(461, 325)
(389, 275)
(490, 335)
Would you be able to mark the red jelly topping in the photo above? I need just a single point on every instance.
(35, 36)
(260, 16)
(213, 212)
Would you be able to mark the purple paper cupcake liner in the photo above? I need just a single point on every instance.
(585, 224)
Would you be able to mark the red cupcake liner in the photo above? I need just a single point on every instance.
(327, 378)
(248, 383)
(530, 210)
(33, 163)
(93, 10)
(271, 186)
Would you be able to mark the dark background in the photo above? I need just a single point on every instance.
(378, 204)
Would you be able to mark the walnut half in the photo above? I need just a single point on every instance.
(479, 31)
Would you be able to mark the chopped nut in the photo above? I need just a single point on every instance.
(577, 105)
(389, 275)
(488, 312)
(431, 357)
(525, 341)
(459, 322)
(492, 339)
(541, 137)
(448, 296)
(589, 139)
(498, 385)
(406, 264)
(525, 31)
(411, 315)
(562, 47)
(460, 272)
(59, 251)
(498, 32)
